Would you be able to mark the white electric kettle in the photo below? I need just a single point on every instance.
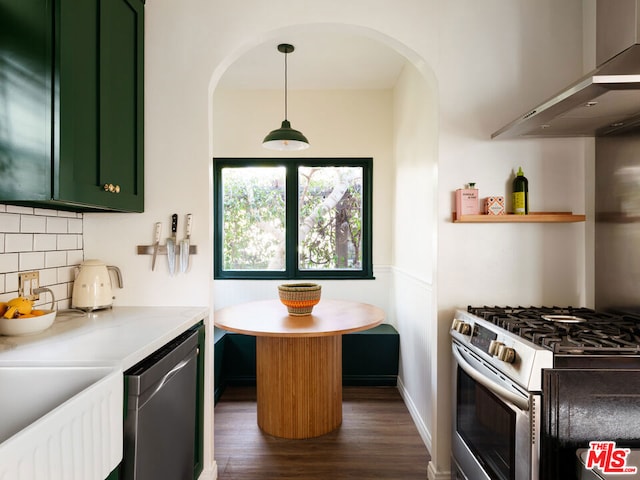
(92, 287)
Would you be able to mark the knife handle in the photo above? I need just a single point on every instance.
(174, 223)
(158, 230)
(188, 227)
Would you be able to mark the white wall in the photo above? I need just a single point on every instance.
(415, 239)
(497, 65)
(491, 61)
(337, 123)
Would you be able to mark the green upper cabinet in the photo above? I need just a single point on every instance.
(25, 100)
(71, 79)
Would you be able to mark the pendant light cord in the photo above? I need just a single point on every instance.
(285, 137)
(285, 84)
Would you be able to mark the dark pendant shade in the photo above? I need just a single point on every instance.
(285, 138)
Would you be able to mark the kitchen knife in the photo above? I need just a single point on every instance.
(171, 244)
(184, 246)
(156, 244)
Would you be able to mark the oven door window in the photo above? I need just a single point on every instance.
(487, 426)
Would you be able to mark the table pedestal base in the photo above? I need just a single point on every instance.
(299, 385)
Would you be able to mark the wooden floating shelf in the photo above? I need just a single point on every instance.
(533, 217)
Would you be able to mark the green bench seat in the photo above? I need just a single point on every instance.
(369, 358)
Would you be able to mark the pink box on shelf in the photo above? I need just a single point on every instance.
(494, 206)
(467, 201)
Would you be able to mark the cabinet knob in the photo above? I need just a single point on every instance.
(110, 187)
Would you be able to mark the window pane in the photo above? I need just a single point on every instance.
(330, 218)
(253, 233)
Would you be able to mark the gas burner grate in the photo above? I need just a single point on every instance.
(587, 330)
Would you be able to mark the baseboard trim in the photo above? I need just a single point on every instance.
(433, 475)
(417, 419)
(209, 473)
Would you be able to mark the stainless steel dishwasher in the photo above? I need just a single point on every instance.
(160, 422)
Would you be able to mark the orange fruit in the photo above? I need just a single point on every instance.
(18, 305)
(37, 313)
(25, 315)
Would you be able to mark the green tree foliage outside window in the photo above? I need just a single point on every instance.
(293, 218)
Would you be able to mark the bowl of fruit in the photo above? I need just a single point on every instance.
(18, 317)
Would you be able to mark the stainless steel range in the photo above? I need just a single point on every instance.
(535, 385)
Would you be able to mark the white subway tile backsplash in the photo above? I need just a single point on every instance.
(55, 259)
(65, 274)
(20, 209)
(7, 296)
(64, 303)
(11, 281)
(67, 242)
(9, 223)
(43, 240)
(57, 225)
(49, 276)
(59, 292)
(69, 290)
(8, 262)
(45, 212)
(18, 242)
(75, 225)
(75, 257)
(62, 213)
(31, 261)
(33, 224)
(44, 301)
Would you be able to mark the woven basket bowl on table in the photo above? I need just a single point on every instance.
(299, 298)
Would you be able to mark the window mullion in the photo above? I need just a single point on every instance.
(291, 258)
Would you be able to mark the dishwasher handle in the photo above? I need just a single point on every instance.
(170, 374)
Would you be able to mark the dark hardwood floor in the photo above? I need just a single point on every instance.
(377, 440)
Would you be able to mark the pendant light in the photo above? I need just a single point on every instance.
(285, 137)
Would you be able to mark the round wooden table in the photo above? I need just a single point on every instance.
(299, 361)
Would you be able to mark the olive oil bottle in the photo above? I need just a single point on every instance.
(520, 194)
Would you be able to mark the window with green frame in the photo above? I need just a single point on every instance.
(307, 218)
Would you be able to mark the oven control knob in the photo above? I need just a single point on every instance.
(464, 328)
(494, 346)
(506, 354)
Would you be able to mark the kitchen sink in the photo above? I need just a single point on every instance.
(61, 421)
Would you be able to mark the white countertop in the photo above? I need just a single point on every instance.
(121, 336)
(70, 372)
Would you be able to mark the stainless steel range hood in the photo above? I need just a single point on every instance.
(605, 101)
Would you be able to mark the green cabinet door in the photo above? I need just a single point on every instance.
(100, 161)
(121, 100)
(71, 104)
(76, 104)
(25, 100)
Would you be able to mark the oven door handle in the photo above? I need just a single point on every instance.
(499, 390)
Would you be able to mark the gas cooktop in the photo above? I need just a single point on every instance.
(568, 330)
